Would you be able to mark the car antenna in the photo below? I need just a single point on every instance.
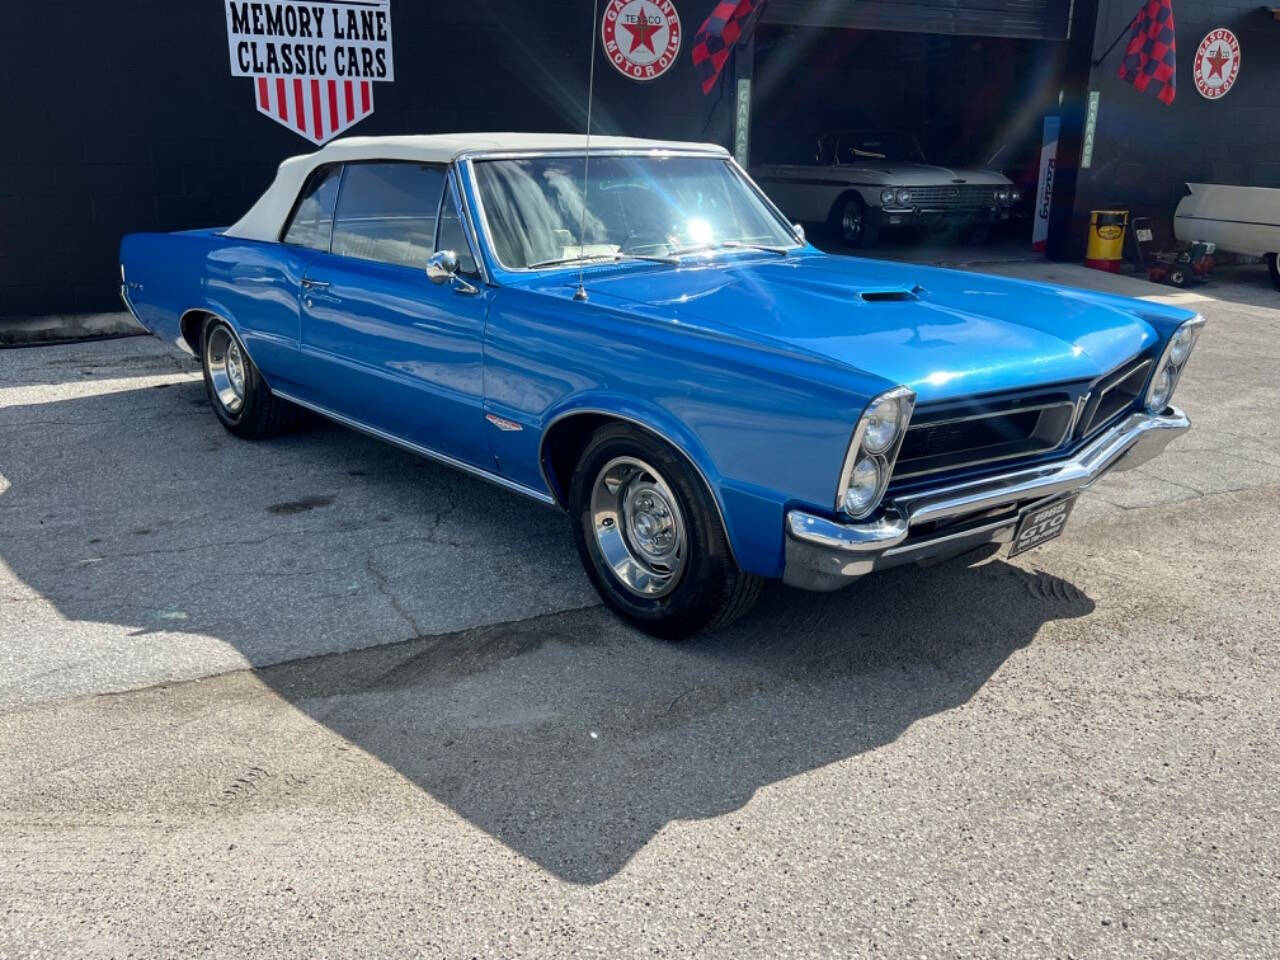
(581, 292)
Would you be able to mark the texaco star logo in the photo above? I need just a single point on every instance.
(641, 37)
(1217, 63)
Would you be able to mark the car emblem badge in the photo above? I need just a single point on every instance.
(502, 423)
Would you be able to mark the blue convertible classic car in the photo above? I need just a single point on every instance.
(641, 339)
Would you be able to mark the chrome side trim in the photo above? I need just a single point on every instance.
(613, 415)
(378, 434)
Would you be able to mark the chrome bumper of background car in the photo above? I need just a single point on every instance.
(823, 554)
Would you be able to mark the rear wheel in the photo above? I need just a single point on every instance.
(651, 539)
(236, 390)
(1273, 264)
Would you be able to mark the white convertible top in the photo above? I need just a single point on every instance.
(266, 218)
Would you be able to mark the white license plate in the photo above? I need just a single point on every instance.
(1040, 525)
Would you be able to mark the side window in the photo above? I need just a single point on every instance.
(312, 219)
(387, 212)
(453, 235)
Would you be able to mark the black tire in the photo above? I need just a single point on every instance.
(1273, 265)
(251, 411)
(851, 221)
(710, 590)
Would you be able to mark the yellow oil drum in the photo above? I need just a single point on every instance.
(1106, 239)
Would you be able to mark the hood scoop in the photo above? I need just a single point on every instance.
(890, 294)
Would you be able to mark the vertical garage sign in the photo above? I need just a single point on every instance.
(313, 65)
(1044, 190)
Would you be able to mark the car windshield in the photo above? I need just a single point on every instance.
(641, 206)
(878, 145)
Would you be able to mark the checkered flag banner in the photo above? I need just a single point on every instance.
(730, 21)
(1150, 59)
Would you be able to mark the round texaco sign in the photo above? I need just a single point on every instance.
(641, 37)
(1217, 63)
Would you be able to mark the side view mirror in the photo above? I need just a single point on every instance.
(799, 231)
(442, 267)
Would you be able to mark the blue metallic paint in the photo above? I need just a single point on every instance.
(755, 366)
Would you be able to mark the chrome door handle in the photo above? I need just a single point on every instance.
(310, 284)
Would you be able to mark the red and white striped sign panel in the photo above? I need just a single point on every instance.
(313, 64)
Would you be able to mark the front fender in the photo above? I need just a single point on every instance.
(752, 517)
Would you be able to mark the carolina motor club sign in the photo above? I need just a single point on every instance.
(313, 64)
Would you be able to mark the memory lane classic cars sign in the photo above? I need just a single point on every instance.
(641, 37)
(313, 64)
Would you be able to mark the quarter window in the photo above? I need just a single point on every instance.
(387, 212)
(452, 234)
(312, 220)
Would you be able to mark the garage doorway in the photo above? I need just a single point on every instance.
(971, 102)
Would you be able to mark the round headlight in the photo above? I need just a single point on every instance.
(882, 425)
(1015, 195)
(1002, 195)
(1161, 389)
(903, 195)
(886, 195)
(864, 484)
(1180, 346)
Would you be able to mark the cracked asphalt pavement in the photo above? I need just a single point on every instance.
(317, 697)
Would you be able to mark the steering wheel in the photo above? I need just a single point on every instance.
(638, 240)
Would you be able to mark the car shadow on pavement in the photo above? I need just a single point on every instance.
(567, 736)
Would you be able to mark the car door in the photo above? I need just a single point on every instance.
(385, 346)
(256, 284)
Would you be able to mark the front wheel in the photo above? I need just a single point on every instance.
(854, 222)
(1273, 264)
(650, 537)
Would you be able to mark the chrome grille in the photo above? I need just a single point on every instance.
(1114, 394)
(958, 195)
(960, 436)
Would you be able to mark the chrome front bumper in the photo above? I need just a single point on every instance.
(824, 554)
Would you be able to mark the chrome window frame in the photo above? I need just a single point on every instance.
(454, 183)
(466, 164)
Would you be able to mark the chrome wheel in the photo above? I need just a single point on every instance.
(639, 527)
(226, 364)
(851, 222)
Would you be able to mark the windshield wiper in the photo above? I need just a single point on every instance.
(669, 258)
(729, 245)
(604, 258)
(557, 261)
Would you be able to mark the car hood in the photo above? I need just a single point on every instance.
(943, 333)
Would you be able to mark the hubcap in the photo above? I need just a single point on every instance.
(226, 366)
(638, 527)
(852, 221)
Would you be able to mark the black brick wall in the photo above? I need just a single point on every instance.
(123, 116)
(1145, 151)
